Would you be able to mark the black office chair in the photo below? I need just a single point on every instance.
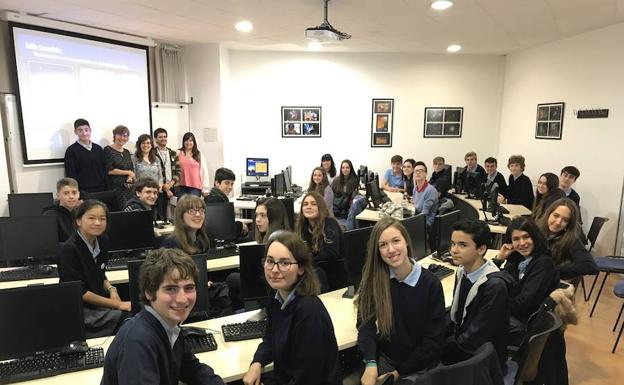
(618, 290)
(594, 230)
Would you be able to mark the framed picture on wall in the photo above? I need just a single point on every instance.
(443, 122)
(381, 127)
(549, 121)
(301, 122)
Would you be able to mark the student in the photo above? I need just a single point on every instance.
(119, 165)
(327, 162)
(425, 196)
(193, 174)
(560, 223)
(408, 176)
(189, 234)
(531, 271)
(223, 186)
(68, 197)
(493, 176)
(401, 316)
(149, 349)
(569, 175)
(546, 193)
(472, 165)
(345, 188)
(320, 231)
(393, 178)
(85, 161)
(299, 337)
(170, 169)
(145, 196)
(439, 179)
(519, 189)
(270, 217)
(144, 160)
(83, 258)
(320, 184)
(480, 309)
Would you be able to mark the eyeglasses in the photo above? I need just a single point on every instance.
(196, 212)
(269, 264)
(419, 171)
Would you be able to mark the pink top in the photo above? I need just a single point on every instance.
(191, 174)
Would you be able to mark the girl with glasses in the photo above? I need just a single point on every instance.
(299, 338)
(189, 234)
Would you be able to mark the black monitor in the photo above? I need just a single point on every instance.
(288, 178)
(356, 242)
(472, 184)
(29, 204)
(41, 242)
(131, 230)
(258, 167)
(109, 198)
(220, 221)
(279, 185)
(289, 206)
(363, 174)
(375, 194)
(458, 180)
(41, 318)
(416, 227)
(489, 199)
(442, 231)
(253, 285)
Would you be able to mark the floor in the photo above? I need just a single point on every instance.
(589, 343)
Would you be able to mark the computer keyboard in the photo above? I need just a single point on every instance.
(119, 261)
(246, 198)
(198, 340)
(244, 331)
(221, 253)
(440, 271)
(30, 272)
(49, 364)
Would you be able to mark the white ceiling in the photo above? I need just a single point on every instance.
(479, 26)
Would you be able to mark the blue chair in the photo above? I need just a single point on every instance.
(607, 265)
(618, 290)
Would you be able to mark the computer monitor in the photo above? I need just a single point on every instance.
(109, 198)
(363, 174)
(489, 199)
(289, 206)
(472, 184)
(41, 318)
(29, 204)
(416, 227)
(254, 287)
(220, 221)
(202, 306)
(288, 178)
(458, 180)
(356, 243)
(442, 231)
(279, 185)
(41, 245)
(448, 176)
(374, 193)
(131, 230)
(258, 167)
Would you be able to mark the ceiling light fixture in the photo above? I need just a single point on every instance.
(441, 5)
(244, 26)
(325, 31)
(453, 48)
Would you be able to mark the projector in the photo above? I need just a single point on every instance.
(323, 34)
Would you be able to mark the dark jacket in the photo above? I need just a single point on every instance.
(65, 223)
(575, 262)
(175, 165)
(332, 245)
(87, 167)
(520, 191)
(499, 179)
(545, 203)
(75, 263)
(441, 181)
(141, 354)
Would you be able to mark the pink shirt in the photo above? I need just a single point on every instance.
(191, 173)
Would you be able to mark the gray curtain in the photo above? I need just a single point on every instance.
(169, 81)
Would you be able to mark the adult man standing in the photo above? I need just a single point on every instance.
(84, 160)
(170, 167)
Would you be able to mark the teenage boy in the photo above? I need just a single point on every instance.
(170, 168)
(425, 195)
(493, 176)
(145, 196)
(439, 179)
(84, 160)
(480, 309)
(393, 178)
(569, 176)
(471, 164)
(148, 348)
(223, 186)
(520, 189)
(68, 196)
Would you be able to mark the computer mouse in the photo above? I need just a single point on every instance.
(75, 347)
(192, 331)
(433, 267)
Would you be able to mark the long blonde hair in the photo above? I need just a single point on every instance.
(182, 232)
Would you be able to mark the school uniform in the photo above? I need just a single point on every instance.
(332, 244)
(87, 165)
(65, 223)
(300, 341)
(520, 191)
(499, 179)
(575, 262)
(441, 181)
(546, 202)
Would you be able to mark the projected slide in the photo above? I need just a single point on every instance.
(62, 78)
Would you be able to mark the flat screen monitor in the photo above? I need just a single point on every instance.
(131, 230)
(443, 229)
(279, 185)
(27, 238)
(472, 184)
(109, 198)
(40, 319)
(289, 206)
(288, 178)
(253, 283)
(29, 204)
(458, 180)
(258, 167)
(416, 227)
(363, 174)
(377, 197)
(220, 221)
(356, 243)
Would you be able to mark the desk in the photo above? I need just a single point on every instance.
(471, 208)
(369, 215)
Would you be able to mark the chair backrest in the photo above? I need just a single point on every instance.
(539, 328)
(594, 230)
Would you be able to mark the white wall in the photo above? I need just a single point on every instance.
(584, 72)
(259, 83)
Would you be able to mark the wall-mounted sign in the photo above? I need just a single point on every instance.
(592, 114)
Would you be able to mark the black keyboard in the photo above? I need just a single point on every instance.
(246, 198)
(440, 271)
(244, 331)
(197, 341)
(31, 272)
(49, 364)
(121, 262)
(221, 253)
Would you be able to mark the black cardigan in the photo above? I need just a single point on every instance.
(332, 246)
(520, 191)
(576, 261)
(75, 263)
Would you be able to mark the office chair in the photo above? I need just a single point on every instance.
(618, 290)
(594, 230)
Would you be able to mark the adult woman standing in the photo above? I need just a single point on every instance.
(320, 184)
(319, 229)
(119, 165)
(145, 163)
(193, 176)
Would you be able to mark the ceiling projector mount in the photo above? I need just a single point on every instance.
(325, 31)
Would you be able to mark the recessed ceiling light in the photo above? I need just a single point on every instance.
(441, 4)
(453, 48)
(315, 46)
(244, 26)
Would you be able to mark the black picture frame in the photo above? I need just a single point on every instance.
(549, 121)
(382, 120)
(443, 122)
(301, 121)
